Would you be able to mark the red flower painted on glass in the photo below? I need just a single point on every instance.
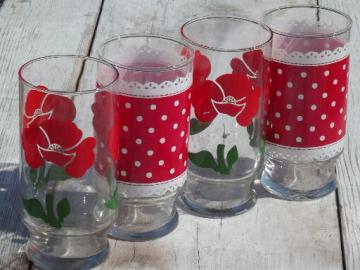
(233, 94)
(42, 106)
(59, 142)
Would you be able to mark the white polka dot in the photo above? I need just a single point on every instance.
(342, 88)
(298, 139)
(289, 106)
(267, 122)
(301, 96)
(182, 133)
(139, 118)
(162, 140)
(322, 138)
(175, 126)
(188, 119)
(183, 111)
(344, 67)
(313, 107)
(332, 124)
(277, 115)
(303, 74)
(341, 110)
(127, 105)
(340, 131)
(124, 151)
(189, 96)
(290, 84)
(138, 141)
(314, 86)
(333, 103)
(150, 153)
(152, 107)
(137, 163)
(324, 95)
(269, 101)
(161, 162)
(164, 117)
(278, 93)
(172, 171)
(323, 116)
(176, 103)
(276, 136)
(181, 156)
(148, 175)
(173, 148)
(299, 118)
(123, 173)
(345, 117)
(151, 130)
(187, 140)
(125, 128)
(312, 128)
(102, 145)
(335, 82)
(326, 73)
(288, 127)
(185, 162)
(279, 71)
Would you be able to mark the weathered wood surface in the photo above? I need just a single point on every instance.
(349, 167)
(30, 29)
(274, 235)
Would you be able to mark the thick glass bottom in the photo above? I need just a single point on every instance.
(218, 197)
(299, 181)
(67, 252)
(141, 219)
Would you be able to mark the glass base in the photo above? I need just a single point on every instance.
(218, 197)
(299, 181)
(67, 252)
(118, 233)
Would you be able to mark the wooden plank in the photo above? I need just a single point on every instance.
(275, 234)
(349, 167)
(30, 29)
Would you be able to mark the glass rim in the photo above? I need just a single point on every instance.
(74, 91)
(146, 69)
(345, 29)
(234, 18)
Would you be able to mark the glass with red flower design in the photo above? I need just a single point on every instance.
(148, 141)
(306, 110)
(229, 83)
(67, 204)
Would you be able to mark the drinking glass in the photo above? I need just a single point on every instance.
(306, 114)
(229, 83)
(67, 205)
(149, 136)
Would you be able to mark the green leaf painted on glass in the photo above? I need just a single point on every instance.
(52, 220)
(34, 208)
(221, 168)
(63, 210)
(232, 157)
(197, 126)
(56, 173)
(112, 203)
(203, 159)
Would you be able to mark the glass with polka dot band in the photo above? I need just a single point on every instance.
(66, 203)
(148, 141)
(306, 109)
(229, 83)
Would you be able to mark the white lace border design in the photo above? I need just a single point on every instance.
(305, 154)
(134, 190)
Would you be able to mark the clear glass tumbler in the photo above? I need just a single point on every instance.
(149, 137)
(306, 110)
(67, 205)
(229, 83)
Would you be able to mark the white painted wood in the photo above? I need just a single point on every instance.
(349, 167)
(29, 29)
(275, 234)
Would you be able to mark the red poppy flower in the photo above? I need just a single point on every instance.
(60, 143)
(232, 94)
(41, 106)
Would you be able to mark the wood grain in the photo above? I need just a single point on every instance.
(349, 167)
(29, 29)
